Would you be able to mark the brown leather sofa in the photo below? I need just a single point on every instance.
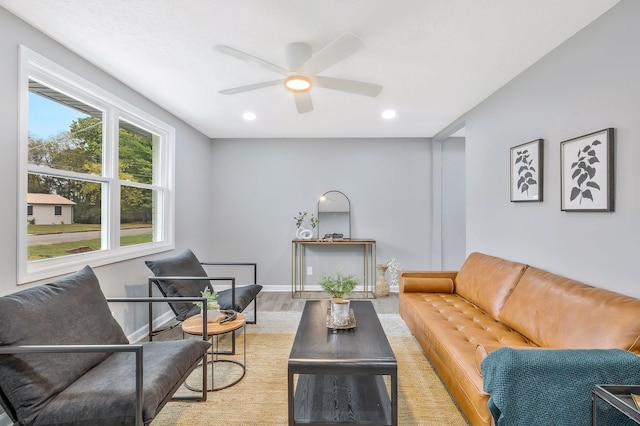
(459, 317)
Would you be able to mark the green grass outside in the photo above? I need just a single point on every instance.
(46, 251)
(76, 227)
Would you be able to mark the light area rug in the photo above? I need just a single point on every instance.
(260, 398)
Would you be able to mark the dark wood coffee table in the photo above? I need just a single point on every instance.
(340, 376)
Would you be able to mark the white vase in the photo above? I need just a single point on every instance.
(304, 233)
(340, 311)
(213, 315)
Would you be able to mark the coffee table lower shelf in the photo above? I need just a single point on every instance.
(341, 399)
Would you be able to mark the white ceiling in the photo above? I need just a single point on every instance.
(436, 59)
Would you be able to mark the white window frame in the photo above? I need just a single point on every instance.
(37, 67)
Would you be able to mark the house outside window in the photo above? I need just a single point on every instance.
(103, 165)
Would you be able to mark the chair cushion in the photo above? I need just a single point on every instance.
(108, 390)
(244, 296)
(72, 310)
(185, 264)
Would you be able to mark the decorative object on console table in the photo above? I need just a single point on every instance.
(526, 171)
(587, 182)
(382, 286)
(305, 225)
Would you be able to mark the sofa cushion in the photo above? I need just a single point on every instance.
(72, 310)
(546, 307)
(488, 281)
(108, 390)
(449, 328)
(185, 264)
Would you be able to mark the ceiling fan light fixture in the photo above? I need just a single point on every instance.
(297, 83)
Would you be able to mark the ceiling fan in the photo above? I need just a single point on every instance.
(303, 70)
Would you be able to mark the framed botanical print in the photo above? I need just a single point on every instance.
(526, 171)
(587, 173)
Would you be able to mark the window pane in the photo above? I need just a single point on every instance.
(137, 213)
(64, 133)
(65, 216)
(135, 152)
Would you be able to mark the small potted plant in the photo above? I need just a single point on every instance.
(213, 308)
(339, 286)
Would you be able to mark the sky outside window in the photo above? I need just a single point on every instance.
(48, 118)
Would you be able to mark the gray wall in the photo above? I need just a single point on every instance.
(453, 204)
(588, 83)
(259, 185)
(192, 152)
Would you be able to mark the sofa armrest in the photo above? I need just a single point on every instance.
(427, 281)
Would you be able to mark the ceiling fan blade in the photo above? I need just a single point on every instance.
(351, 86)
(230, 51)
(251, 87)
(303, 102)
(334, 52)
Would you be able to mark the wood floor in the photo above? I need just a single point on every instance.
(270, 301)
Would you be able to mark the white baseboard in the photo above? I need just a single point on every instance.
(143, 331)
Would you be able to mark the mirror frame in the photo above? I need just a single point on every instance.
(348, 211)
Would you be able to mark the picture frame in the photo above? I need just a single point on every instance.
(587, 172)
(527, 171)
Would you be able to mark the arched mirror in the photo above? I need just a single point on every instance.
(334, 214)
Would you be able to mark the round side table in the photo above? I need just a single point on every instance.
(193, 326)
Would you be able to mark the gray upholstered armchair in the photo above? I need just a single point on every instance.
(183, 275)
(65, 360)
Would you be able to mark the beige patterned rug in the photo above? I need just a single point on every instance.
(260, 398)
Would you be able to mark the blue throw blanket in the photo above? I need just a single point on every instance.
(553, 386)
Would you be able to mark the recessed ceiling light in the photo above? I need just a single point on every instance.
(389, 114)
(249, 116)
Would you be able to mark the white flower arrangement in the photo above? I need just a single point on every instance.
(393, 269)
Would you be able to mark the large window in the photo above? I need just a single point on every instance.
(96, 175)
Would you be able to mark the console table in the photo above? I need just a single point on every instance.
(298, 263)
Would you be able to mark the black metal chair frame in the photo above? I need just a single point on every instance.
(154, 280)
(136, 348)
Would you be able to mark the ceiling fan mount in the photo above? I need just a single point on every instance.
(303, 69)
